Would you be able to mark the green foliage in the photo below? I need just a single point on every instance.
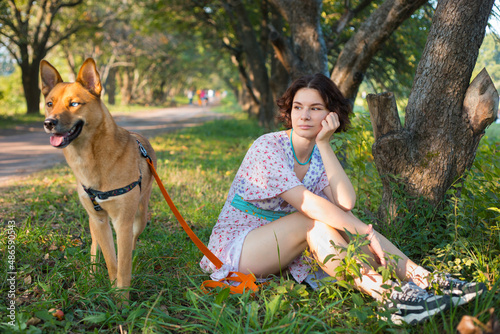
(11, 94)
(473, 220)
(354, 148)
(393, 67)
(351, 258)
(489, 58)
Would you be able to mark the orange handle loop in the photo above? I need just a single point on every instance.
(247, 281)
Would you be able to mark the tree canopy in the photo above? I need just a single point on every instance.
(153, 47)
(149, 50)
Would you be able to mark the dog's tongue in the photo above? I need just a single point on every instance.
(56, 140)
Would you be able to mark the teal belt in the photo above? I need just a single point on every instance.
(240, 204)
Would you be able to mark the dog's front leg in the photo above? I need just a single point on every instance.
(102, 236)
(94, 249)
(141, 216)
(124, 242)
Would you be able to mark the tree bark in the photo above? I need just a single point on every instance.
(126, 87)
(29, 75)
(445, 117)
(255, 59)
(305, 52)
(358, 52)
(280, 76)
(111, 86)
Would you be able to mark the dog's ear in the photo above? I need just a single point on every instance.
(50, 77)
(89, 77)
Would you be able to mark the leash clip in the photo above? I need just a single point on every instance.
(144, 153)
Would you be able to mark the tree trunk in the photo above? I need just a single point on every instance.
(445, 118)
(358, 52)
(111, 86)
(29, 77)
(280, 76)
(255, 58)
(70, 60)
(248, 97)
(126, 90)
(306, 51)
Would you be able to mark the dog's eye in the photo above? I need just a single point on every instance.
(74, 104)
(49, 104)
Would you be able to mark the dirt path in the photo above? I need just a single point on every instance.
(25, 150)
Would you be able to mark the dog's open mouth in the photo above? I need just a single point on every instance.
(62, 140)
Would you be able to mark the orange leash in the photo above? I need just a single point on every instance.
(245, 281)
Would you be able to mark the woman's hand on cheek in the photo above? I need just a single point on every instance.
(329, 125)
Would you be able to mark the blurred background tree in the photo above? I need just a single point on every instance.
(29, 30)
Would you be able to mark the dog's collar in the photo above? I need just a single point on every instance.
(102, 195)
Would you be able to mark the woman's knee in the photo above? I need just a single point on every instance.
(320, 238)
(319, 231)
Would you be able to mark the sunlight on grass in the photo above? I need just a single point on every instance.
(11, 121)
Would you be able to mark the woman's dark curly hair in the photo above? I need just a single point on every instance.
(335, 101)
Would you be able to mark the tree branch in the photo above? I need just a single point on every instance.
(43, 15)
(349, 14)
(360, 49)
(383, 114)
(68, 4)
(481, 102)
(11, 51)
(65, 36)
(17, 15)
(232, 49)
(10, 38)
(281, 47)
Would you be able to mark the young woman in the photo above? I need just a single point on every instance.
(291, 193)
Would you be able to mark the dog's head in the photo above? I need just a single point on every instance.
(70, 107)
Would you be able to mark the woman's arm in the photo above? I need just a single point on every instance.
(341, 192)
(320, 209)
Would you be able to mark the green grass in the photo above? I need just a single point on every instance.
(197, 166)
(493, 131)
(11, 121)
(133, 108)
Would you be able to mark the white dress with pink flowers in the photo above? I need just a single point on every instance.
(265, 173)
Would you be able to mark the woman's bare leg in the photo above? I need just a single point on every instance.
(289, 237)
(319, 238)
(406, 269)
(286, 236)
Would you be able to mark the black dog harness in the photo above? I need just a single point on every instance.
(102, 195)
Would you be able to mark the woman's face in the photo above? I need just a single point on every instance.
(308, 110)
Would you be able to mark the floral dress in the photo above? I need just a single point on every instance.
(265, 173)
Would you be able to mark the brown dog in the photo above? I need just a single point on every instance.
(114, 179)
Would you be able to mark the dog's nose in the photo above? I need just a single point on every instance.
(50, 123)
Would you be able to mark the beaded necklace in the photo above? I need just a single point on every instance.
(295, 156)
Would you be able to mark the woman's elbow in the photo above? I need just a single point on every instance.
(347, 204)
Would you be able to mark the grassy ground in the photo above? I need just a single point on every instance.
(51, 254)
(11, 121)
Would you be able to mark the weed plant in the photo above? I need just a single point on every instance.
(197, 166)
